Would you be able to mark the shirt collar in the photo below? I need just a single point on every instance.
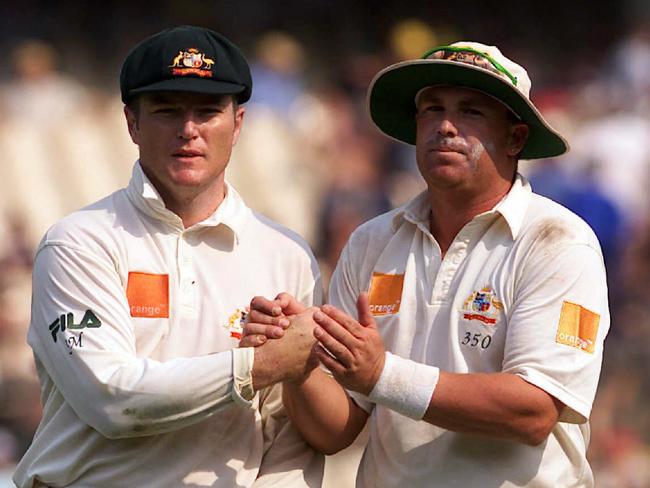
(232, 212)
(416, 211)
(514, 205)
(512, 208)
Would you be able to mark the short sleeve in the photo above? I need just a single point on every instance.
(557, 326)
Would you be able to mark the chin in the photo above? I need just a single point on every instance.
(187, 177)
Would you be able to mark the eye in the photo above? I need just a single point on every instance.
(211, 110)
(163, 110)
(472, 111)
(431, 107)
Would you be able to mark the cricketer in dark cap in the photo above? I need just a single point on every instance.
(139, 300)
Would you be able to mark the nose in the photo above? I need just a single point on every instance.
(446, 128)
(188, 128)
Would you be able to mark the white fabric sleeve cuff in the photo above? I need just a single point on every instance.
(242, 373)
(405, 386)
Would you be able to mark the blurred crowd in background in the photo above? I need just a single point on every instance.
(310, 158)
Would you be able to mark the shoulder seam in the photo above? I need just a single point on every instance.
(76, 248)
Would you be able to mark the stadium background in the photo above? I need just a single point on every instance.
(310, 158)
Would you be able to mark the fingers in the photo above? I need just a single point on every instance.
(336, 339)
(268, 331)
(252, 340)
(266, 306)
(326, 359)
(288, 304)
(257, 317)
(343, 319)
(363, 310)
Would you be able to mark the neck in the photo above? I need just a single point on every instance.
(194, 206)
(452, 210)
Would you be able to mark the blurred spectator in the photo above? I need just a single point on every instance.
(356, 194)
(630, 66)
(278, 72)
(39, 94)
(411, 38)
(616, 149)
(580, 193)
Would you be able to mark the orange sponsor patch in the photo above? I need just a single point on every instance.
(385, 293)
(578, 327)
(148, 295)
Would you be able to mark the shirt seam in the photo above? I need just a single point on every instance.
(78, 249)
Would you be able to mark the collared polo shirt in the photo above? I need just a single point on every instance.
(521, 290)
(135, 324)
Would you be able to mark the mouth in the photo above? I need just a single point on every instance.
(447, 150)
(187, 153)
(446, 146)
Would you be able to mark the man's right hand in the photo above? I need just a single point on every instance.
(290, 358)
(268, 319)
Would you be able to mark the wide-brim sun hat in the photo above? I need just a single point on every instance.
(392, 93)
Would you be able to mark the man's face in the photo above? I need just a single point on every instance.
(465, 139)
(185, 140)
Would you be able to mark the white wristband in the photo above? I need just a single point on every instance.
(405, 386)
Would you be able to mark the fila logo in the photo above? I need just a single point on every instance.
(64, 321)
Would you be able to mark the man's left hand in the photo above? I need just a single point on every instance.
(352, 350)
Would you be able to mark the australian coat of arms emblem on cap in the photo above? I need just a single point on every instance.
(192, 62)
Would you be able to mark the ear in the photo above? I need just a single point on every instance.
(239, 122)
(132, 124)
(518, 137)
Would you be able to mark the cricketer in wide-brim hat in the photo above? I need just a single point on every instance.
(392, 93)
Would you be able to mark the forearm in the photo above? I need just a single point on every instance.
(323, 412)
(132, 397)
(496, 404)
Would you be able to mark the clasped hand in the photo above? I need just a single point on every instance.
(352, 350)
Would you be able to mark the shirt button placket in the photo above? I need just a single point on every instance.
(185, 272)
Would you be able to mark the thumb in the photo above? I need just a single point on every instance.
(363, 310)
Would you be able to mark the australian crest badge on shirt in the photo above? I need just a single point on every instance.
(482, 306)
(236, 321)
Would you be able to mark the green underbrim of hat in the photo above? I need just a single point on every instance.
(391, 101)
(194, 85)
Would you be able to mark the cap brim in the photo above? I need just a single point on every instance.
(391, 101)
(194, 85)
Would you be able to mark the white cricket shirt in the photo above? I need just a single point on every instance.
(134, 321)
(521, 290)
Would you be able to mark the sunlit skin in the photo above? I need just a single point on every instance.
(466, 149)
(452, 125)
(185, 142)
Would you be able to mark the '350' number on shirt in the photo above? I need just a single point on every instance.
(476, 340)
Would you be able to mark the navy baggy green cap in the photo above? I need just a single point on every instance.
(186, 58)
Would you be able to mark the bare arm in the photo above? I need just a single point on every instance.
(495, 404)
(318, 406)
(323, 412)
